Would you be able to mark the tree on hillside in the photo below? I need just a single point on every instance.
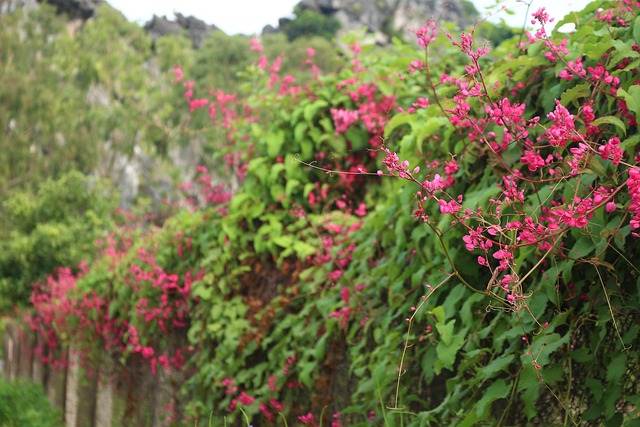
(309, 23)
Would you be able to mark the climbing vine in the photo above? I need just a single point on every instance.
(435, 236)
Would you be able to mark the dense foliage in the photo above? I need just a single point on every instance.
(443, 236)
(62, 93)
(308, 22)
(56, 226)
(74, 125)
(25, 405)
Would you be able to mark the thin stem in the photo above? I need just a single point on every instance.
(406, 341)
(613, 318)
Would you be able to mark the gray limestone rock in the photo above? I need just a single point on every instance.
(196, 29)
(8, 7)
(76, 9)
(380, 16)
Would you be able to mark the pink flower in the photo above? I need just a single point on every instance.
(197, 103)
(343, 119)
(178, 73)
(275, 67)
(308, 419)
(541, 16)
(335, 275)
(426, 34)
(610, 207)
(245, 399)
(256, 46)
(436, 184)
(563, 127)
(265, 411)
(362, 210)
(277, 405)
(505, 257)
(579, 154)
(450, 168)
(633, 185)
(533, 160)
(262, 62)
(451, 207)
(147, 352)
(415, 66)
(612, 150)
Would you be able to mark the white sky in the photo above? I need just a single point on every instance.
(250, 16)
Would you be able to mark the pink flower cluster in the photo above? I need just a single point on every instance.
(426, 34)
(343, 119)
(633, 186)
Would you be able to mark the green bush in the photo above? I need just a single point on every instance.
(23, 404)
(309, 23)
(57, 226)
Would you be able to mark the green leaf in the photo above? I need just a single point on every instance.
(629, 144)
(611, 120)
(428, 128)
(381, 374)
(306, 370)
(308, 188)
(202, 291)
(597, 44)
(446, 331)
(303, 249)
(320, 348)
(277, 192)
(622, 50)
(498, 390)
(612, 395)
(397, 120)
(407, 145)
(283, 241)
(582, 248)
(299, 132)
(530, 397)
(312, 109)
(596, 166)
(545, 345)
(617, 368)
(576, 92)
(581, 355)
(496, 366)
(632, 98)
(359, 139)
(307, 148)
(292, 185)
(438, 312)
(447, 354)
(471, 419)
(275, 141)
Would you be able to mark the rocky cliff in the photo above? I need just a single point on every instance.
(81, 10)
(381, 17)
(10, 6)
(193, 27)
(76, 9)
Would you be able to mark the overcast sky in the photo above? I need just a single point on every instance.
(250, 16)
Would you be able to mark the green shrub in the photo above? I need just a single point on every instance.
(310, 23)
(23, 404)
